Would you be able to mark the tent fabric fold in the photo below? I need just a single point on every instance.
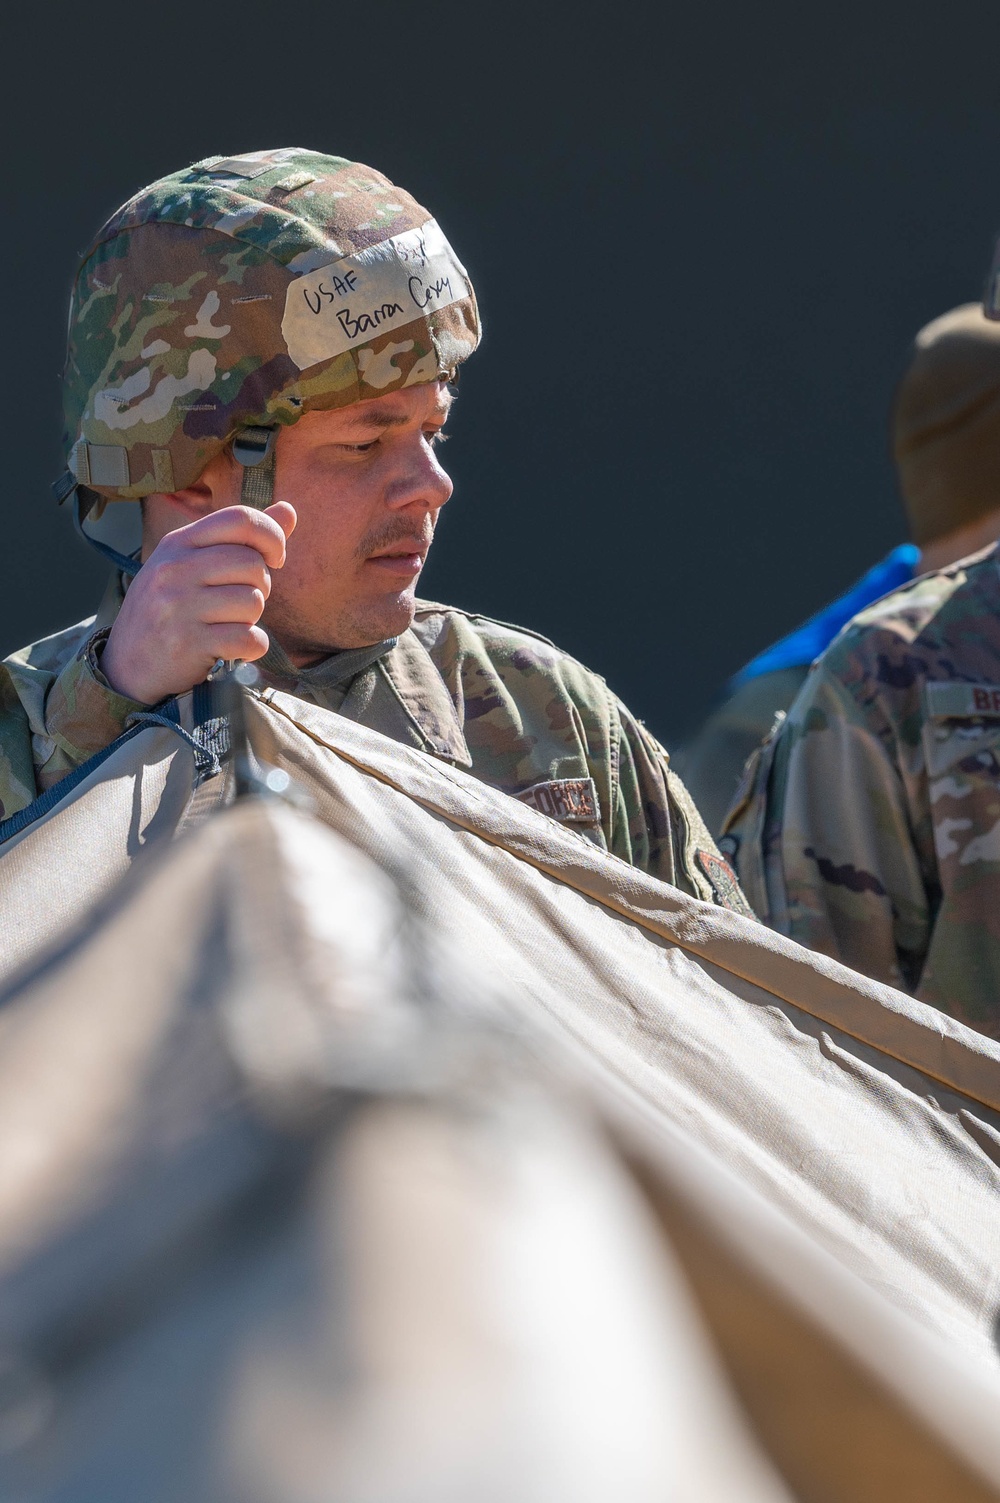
(819, 1155)
(938, 1045)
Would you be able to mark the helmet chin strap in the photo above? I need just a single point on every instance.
(253, 448)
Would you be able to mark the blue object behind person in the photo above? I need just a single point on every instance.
(804, 645)
(945, 439)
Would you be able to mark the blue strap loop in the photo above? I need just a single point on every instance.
(206, 756)
(802, 646)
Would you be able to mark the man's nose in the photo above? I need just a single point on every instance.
(422, 480)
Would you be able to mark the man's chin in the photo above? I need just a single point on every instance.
(361, 623)
(373, 621)
(393, 621)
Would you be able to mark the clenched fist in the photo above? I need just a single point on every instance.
(198, 597)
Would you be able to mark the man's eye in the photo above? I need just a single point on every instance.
(358, 448)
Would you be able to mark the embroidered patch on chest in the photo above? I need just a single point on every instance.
(723, 881)
(573, 801)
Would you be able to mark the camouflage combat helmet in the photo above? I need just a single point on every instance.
(238, 294)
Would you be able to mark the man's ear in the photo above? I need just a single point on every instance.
(217, 485)
(164, 512)
(193, 502)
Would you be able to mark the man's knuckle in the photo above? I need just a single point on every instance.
(168, 576)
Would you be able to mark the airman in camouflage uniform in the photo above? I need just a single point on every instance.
(220, 305)
(868, 825)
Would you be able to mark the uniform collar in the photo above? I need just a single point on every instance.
(330, 674)
(410, 673)
(392, 687)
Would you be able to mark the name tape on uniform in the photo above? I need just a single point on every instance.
(953, 701)
(379, 289)
(573, 801)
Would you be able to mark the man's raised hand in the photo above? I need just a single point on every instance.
(197, 598)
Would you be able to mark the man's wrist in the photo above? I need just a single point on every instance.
(93, 663)
(106, 672)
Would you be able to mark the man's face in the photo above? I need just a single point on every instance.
(367, 487)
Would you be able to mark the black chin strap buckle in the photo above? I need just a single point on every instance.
(64, 487)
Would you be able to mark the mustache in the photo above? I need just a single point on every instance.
(396, 530)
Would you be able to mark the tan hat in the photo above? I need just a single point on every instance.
(946, 424)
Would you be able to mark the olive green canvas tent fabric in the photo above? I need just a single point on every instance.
(821, 1154)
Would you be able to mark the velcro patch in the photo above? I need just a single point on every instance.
(107, 464)
(294, 181)
(953, 701)
(247, 167)
(573, 801)
(727, 890)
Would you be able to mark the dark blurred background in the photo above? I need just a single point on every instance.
(702, 236)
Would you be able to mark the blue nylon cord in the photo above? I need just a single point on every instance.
(207, 757)
(122, 561)
(52, 796)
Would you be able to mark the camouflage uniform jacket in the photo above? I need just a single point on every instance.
(500, 702)
(868, 826)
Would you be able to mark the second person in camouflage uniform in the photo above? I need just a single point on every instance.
(948, 491)
(868, 827)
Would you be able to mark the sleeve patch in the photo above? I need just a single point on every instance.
(722, 878)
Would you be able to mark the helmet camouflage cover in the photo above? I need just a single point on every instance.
(245, 291)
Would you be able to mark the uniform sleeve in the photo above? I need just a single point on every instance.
(822, 836)
(83, 715)
(656, 827)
